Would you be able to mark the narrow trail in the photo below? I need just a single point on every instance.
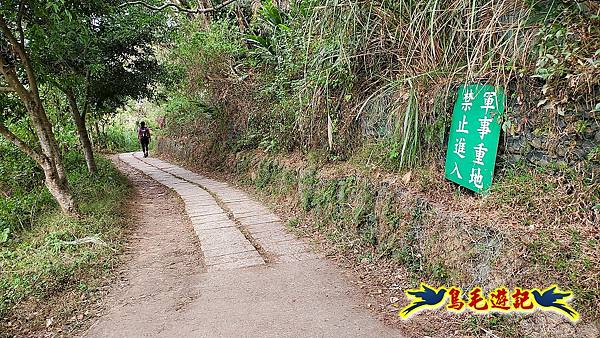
(216, 263)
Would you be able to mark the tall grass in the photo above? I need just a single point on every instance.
(338, 73)
(402, 56)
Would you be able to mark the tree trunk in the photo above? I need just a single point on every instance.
(57, 187)
(60, 191)
(84, 137)
(98, 136)
(50, 158)
(43, 130)
(86, 143)
(54, 171)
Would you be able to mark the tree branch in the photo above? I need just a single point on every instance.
(22, 54)
(6, 90)
(20, 23)
(177, 7)
(86, 102)
(39, 158)
(10, 76)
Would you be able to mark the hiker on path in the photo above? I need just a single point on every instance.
(144, 137)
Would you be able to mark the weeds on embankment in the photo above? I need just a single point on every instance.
(49, 262)
(406, 231)
(380, 77)
(351, 102)
(535, 228)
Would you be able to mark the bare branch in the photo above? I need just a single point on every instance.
(158, 8)
(177, 7)
(6, 90)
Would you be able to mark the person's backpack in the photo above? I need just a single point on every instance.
(146, 133)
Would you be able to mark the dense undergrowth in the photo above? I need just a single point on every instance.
(120, 139)
(340, 109)
(45, 256)
(352, 76)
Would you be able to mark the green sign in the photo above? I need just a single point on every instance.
(474, 136)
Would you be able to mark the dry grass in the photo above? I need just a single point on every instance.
(401, 61)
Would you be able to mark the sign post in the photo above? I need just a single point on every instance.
(474, 136)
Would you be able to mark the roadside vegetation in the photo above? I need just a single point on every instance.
(66, 67)
(338, 111)
(402, 232)
(51, 262)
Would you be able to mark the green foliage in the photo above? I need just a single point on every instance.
(22, 195)
(308, 183)
(36, 261)
(183, 112)
(274, 19)
(120, 138)
(261, 42)
(271, 14)
(565, 59)
(267, 172)
(206, 51)
(104, 53)
(349, 71)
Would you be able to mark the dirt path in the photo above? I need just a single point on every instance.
(220, 264)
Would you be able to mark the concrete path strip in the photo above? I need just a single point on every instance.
(218, 237)
(252, 278)
(224, 246)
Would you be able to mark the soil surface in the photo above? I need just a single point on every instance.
(167, 288)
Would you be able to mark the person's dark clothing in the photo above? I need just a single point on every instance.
(145, 142)
(144, 137)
